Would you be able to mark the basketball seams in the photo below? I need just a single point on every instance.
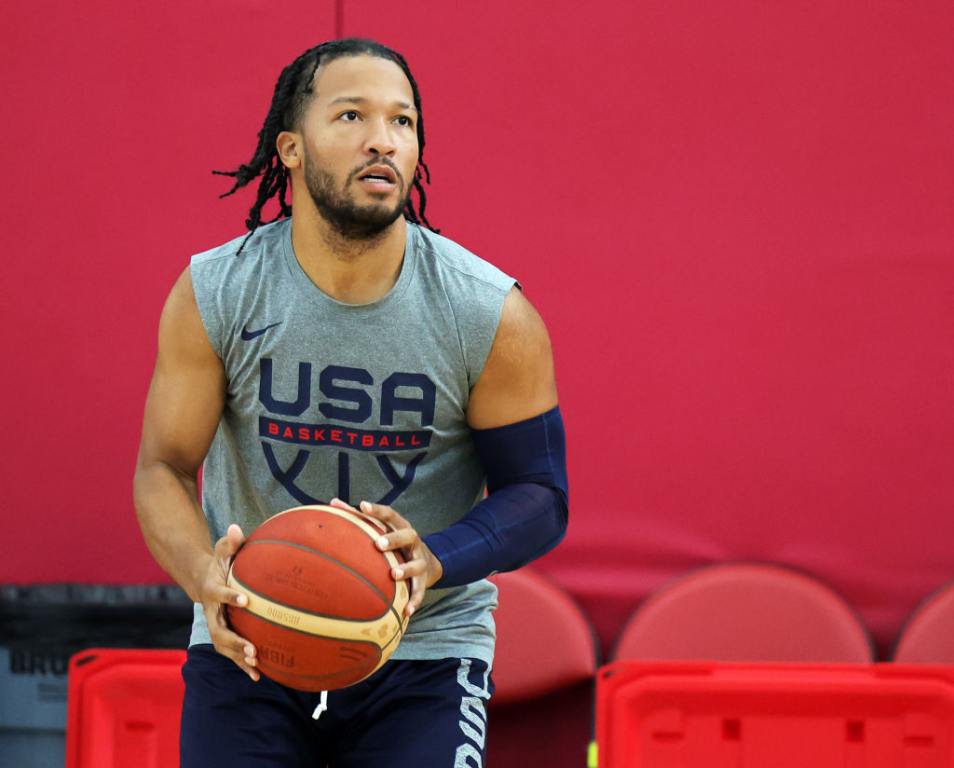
(362, 521)
(377, 657)
(314, 625)
(362, 641)
(402, 628)
(372, 527)
(365, 523)
(402, 624)
(330, 558)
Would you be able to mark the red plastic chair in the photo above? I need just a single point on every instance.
(544, 642)
(123, 708)
(544, 668)
(698, 714)
(928, 635)
(745, 612)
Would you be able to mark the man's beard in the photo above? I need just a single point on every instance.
(348, 219)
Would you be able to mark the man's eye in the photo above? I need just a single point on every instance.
(349, 116)
(404, 120)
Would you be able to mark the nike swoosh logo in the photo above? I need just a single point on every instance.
(248, 335)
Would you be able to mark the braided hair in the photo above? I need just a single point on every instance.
(293, 91)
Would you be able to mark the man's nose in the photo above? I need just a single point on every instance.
(379, 140)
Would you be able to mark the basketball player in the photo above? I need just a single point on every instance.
(347, 353)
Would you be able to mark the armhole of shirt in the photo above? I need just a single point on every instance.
(208, 311)
(480, 340)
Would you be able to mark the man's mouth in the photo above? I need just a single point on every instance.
(379, 175)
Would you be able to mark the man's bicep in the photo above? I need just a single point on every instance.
(187, 392)
(518, 380)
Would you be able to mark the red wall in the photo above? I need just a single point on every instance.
(736, 219)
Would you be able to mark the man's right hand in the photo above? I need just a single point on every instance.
(216, 594)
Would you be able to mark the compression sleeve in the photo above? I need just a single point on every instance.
(525, 514)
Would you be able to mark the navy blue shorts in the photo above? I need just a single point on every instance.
(408, 714)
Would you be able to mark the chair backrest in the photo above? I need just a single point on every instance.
(745, 612)
(123, 708)
(544, 642)
(927, 637)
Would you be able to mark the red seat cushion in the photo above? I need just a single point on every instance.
(745, 612)
(928, 635)
(544, 642)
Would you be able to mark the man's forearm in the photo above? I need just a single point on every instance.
(173, 526)
(525, 514)
(507, 530)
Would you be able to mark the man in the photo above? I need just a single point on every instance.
(346, 353)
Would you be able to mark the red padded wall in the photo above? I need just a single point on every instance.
(115, 114)
(736, 219)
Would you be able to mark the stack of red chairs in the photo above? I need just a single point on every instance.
(123, 708)
(756, 665)
(747, 665)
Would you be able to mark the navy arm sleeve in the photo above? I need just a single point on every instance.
(526, 511)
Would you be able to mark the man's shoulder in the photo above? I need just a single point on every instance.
(457, 262)
(244, 250)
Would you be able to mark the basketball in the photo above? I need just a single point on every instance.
(323, 610)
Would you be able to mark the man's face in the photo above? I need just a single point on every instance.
(360, 144)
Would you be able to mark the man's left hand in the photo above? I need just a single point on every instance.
(422, 567)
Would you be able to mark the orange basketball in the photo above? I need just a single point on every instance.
(323, 610)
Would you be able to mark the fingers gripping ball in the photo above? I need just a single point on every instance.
(323, 610)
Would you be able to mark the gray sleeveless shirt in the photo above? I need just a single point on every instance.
(362, 402)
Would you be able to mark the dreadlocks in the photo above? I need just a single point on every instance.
(289, 102)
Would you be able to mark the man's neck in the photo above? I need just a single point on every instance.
(353, 272)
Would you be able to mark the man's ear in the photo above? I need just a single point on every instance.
(289, 146)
